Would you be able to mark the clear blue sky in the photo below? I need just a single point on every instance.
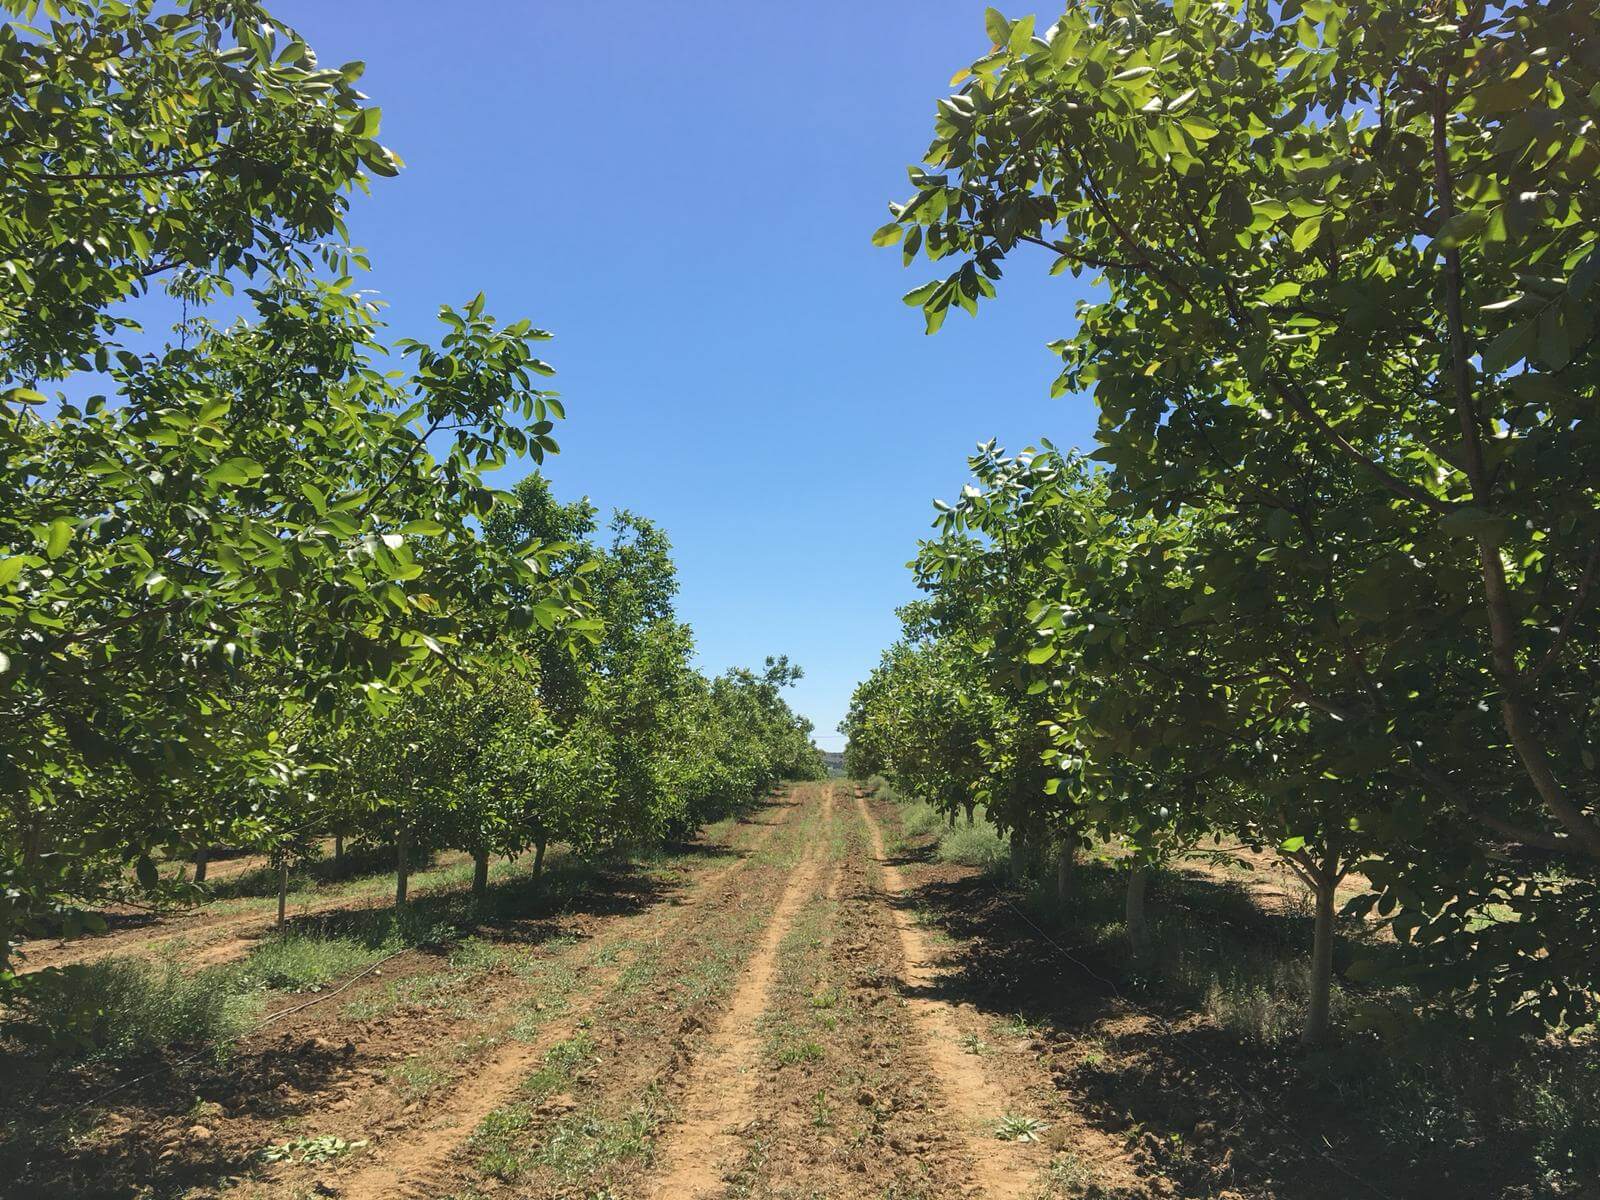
(684, 195)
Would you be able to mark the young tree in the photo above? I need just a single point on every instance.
(256, 507)
(1352, 244)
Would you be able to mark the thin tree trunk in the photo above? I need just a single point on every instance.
(1019, 855)
(283, 891)
(480, 872)
(539, 844)
(1515, 712)
(402, 869)
(1138, 926)
(1317, 1012)
(1066, 869)
(338, 855)
(201, 857)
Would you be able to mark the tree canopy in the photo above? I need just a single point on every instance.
(1341, 345)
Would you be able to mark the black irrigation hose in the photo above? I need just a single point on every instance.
(1277, 1121)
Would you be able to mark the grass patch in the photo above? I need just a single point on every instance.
(417, 1077)
(298, 962)
(583, 1143)
(577, 1146)
(977, 845)
(500, 1143)
(561, 1062)
(799, 1050)
(118, 1009)
(918, 819)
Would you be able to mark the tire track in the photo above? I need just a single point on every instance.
(722, 1082)
(423, 1164)
(1001, 1170)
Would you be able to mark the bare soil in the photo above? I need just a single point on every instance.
(798, 1006)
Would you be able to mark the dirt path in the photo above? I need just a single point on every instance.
(704, 1146)
(1003, 1170)
(424, 1164)
(759, 1015)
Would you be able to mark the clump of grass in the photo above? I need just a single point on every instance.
(417, 1076)
(583, 1143)
(976, 845)
(561, 1062)
(1014, 1128)
(1068, 1177)
(917, 819)
(299, 962)
(803, 1051)
(499, 1142)
(120, 1009)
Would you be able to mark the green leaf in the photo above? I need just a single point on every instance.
(1021, 34)
(234, 472)
(58, 538)
(423, 528)
(1306, 232)
(1474, 522)
(11, 567)
(1462, 227)
(888, 235)
(996, 26)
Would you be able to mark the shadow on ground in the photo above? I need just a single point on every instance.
(1182, 1053)
(62, 1135)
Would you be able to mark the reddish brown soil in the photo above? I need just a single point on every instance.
(789, 1013)
(210, 933)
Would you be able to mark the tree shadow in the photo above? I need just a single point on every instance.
(47, 1106)
(1218, 1098)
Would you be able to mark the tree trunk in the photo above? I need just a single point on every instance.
(402, 869)
(1516, 714)
(338, 855)
(480, 872)
(201, 856)
(1066, 869)
(539, 844)
(1316, 1028)
(969, 806)
(1021, 855)
(1138, 926)
(283, 891)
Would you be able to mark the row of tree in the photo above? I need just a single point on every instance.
(1329, 583)
(255, 584)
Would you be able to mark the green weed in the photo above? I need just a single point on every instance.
(299, 962)
(1014, 1128)
(120, 1009)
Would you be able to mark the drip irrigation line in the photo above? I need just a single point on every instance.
(1167, 1027)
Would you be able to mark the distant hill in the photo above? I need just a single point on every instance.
(834, 761)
